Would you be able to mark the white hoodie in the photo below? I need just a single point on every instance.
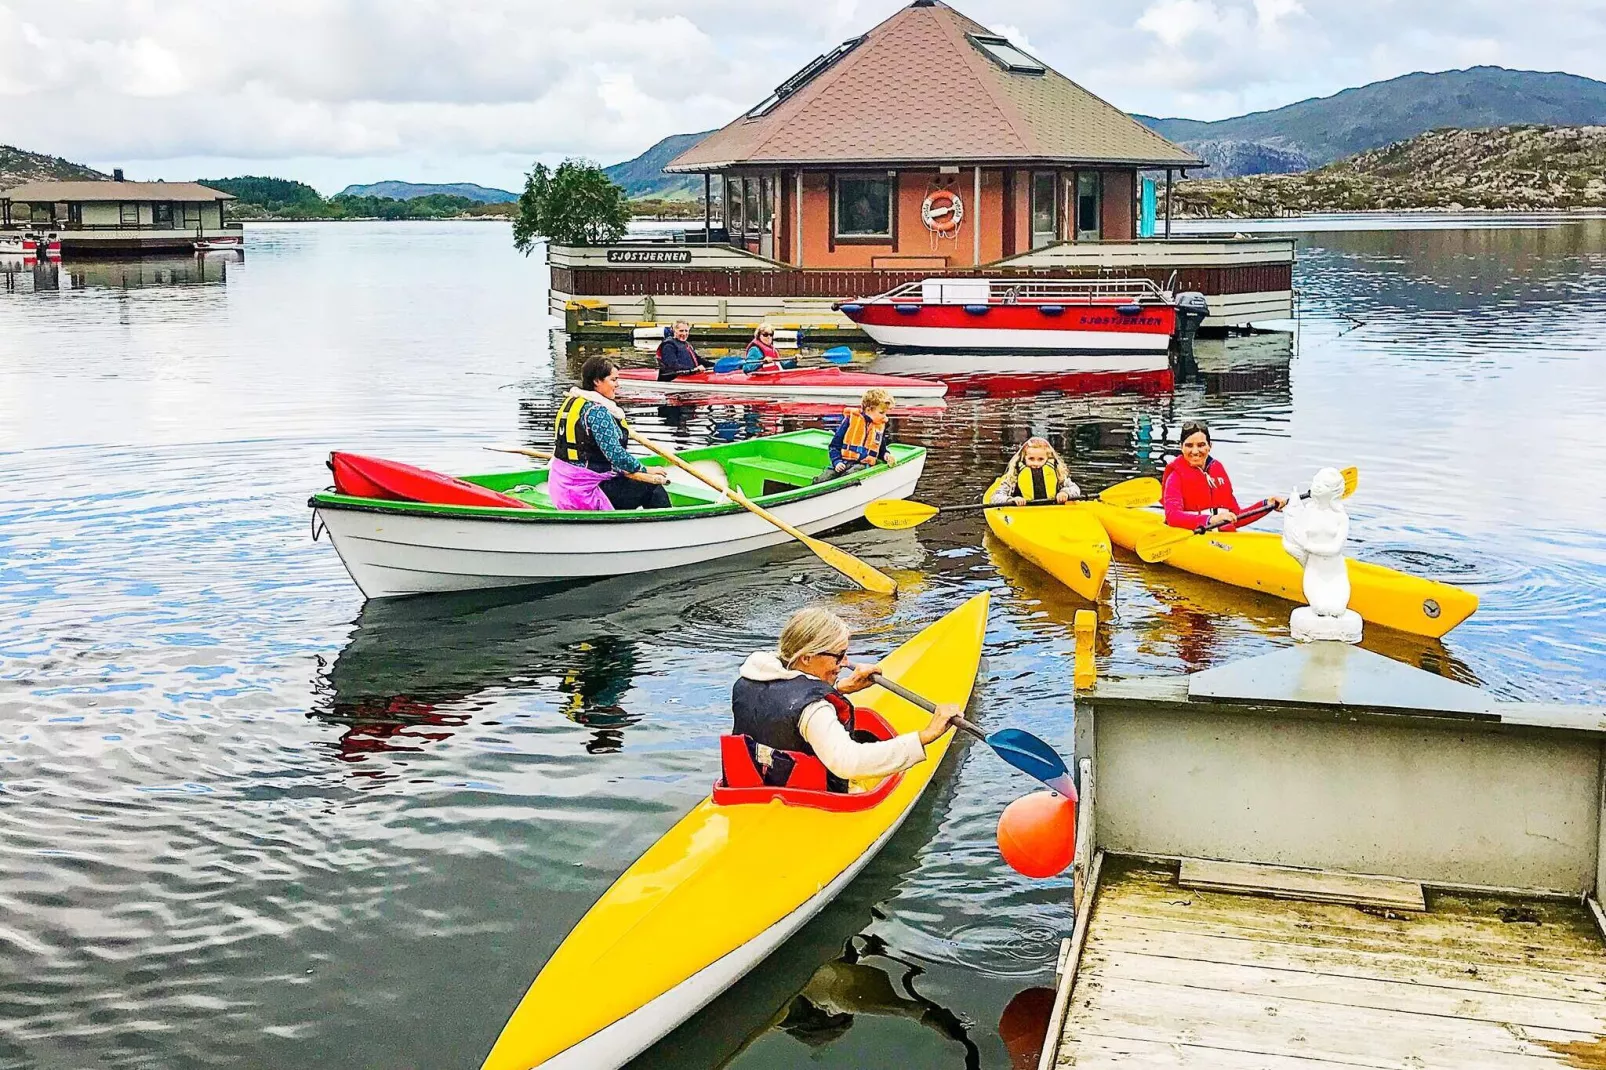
(818, 724)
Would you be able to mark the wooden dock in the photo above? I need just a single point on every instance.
(1322, 859)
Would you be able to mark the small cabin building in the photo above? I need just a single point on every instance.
(109, 217)
(927, 146)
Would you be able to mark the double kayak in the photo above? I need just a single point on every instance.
(1063, 540)
(824, 382)
(727, 885)
(394, 547)
(1257, 560)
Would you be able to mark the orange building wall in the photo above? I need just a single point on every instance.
(1115, 209)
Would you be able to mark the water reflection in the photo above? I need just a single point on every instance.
(123, 273)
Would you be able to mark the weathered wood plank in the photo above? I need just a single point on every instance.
(1384, 994)
(1178, 1014)
(1313, 885)
(1398, 964)
(1096, 1052)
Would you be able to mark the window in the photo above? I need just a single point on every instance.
(1087, 205)
(75, 214)
(128, 214)
(803, 77)
(754, 215)
(162, 214)
(1045, 209)
(192, 215)
(1006, 55)
(863, 206)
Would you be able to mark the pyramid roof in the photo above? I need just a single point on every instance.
(931, 85)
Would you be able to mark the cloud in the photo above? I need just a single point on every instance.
(342, 87)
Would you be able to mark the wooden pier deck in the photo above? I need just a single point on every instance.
(1175, 976)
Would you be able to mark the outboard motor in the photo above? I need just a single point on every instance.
(1192, 308)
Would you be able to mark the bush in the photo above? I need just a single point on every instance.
(577, 204)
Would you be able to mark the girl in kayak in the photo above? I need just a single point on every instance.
(590, 467)
(1196, 489)
(761, 350)
(789, 703)
(1036, 473)
(860, 440)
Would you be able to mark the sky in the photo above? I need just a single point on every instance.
(338, 91)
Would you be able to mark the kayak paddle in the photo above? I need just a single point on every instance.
(895, 514)
(844, 562)
(837, 355)
(1158, 545)
(1021, 749)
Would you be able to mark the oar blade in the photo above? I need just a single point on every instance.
(851, 567)
(893, 514)
(1132, 493)
(1352, 479)
(1033, 757)
(1158, 545)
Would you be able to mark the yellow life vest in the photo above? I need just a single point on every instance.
(571, 438)
(861, 440)
(1038, 484)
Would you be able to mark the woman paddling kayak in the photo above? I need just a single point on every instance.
(794, 713)
(761, 348)
(1196, 489)
(1037, 473)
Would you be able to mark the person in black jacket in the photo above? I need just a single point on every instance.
(676, 356)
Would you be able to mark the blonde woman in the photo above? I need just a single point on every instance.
(761, 349)
(788, 701)
(1037, 473)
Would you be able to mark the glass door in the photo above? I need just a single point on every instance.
(1088, 189)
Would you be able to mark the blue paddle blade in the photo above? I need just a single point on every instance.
(1034, 758)
(838, 355)
(728, 364)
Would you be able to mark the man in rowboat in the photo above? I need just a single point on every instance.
(590, 467)
(1036, 473)
(789, 703)
(1196, 489)
(860, 440)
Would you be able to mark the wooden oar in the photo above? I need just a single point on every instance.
(896, 514)
(1159, 545)
(841, 560)
(1021, 749)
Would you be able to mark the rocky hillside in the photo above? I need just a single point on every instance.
(17, 167)
(1522, 168)
(1319, 131)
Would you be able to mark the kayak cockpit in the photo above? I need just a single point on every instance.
(742, 783)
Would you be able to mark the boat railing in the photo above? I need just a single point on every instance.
(1027, 291)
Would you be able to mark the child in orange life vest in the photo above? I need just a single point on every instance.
(1036, 473)
(861, 438)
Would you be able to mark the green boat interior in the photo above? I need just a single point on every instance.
(771, 470)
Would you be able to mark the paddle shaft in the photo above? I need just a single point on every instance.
(925, 704)
(537, 454)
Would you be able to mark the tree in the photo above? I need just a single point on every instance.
(577, 204)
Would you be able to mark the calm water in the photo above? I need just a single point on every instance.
(245, 820)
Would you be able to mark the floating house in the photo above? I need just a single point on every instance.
(928, 146)
(98, 218)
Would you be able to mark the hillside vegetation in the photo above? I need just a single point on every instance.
(18, 166)
(406, 191)
(644, 177)
(1513, 168)
(283, 198)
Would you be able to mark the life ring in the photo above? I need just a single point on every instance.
(942, 211)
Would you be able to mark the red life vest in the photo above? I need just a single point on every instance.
(769, 356)
(861, 439)
(1191, 494)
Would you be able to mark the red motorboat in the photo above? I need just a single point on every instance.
(1116, 316)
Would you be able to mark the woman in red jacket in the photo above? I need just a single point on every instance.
(1198, 491)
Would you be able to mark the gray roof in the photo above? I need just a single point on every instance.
(48, 192)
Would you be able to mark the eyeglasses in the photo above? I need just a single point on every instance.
(766, 334)
(839, 658)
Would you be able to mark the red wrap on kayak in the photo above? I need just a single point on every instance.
(375, 477)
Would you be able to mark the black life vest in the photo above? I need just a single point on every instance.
(1038, 484)
(766, 712)
(572, 439)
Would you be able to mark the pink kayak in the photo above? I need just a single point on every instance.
(827, 382)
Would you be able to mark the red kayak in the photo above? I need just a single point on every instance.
(375, 477)
(827, 382)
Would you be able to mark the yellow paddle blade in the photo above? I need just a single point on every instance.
(894, 514)
(1132, 493)
(1156, 546)
(1352, 479)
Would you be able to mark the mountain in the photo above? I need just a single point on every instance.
(1510, 167)
(18, 166)
(644, 176)
(1323, 129)
(406, 191)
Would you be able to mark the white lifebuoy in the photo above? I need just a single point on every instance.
(942, 211)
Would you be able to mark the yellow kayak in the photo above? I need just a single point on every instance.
(1062, 540)
(1257, 560)
(725, 887)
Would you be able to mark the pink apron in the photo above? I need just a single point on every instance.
(572, 486)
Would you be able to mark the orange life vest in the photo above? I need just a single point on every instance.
(861, 439)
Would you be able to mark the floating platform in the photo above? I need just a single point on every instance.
(1322, 858)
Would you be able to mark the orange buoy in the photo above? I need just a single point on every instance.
(1037, 834)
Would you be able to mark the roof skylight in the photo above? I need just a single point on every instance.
(812, 70)
(1006, 55)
